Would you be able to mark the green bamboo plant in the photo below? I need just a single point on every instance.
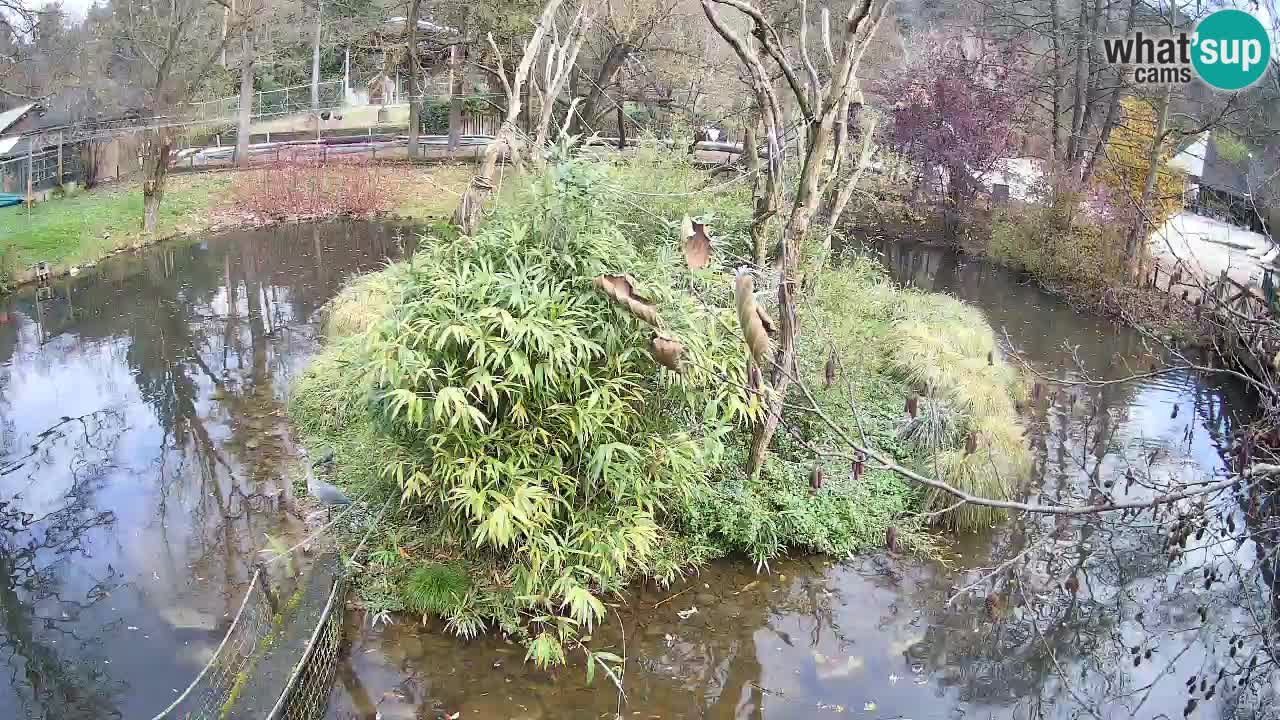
(533, 417)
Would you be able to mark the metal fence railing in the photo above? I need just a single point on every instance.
(244, 664)
(269, 103)
(43, 169)
(216, 685)
(306, 696)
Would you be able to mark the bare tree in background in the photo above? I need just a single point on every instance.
(823, 99)
(626, 29)
(552, 73)
(248, 11)
(467, 214)
(168, 49)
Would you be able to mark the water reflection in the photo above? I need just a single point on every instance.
(142, 436)
(1051, 636)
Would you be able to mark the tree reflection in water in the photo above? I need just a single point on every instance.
(192, 345)
(56, 664)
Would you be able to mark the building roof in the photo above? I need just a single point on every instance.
(9, 117)
(1191, 158)
(7, 142)
(1222, 174)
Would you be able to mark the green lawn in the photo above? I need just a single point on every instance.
(85, 226)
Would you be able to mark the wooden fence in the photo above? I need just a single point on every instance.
(1246, 317)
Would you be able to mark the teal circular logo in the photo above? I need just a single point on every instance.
(1231, 49)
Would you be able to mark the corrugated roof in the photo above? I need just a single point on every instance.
(9, 117)
(7, 143)
(1222, 174)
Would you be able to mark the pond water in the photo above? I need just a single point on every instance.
(143, 434)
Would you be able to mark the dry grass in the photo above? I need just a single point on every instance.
(364, 302)
(430, 192)
(939, 347)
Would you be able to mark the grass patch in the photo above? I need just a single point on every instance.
(85, 226)
(433, 192)
(894, 343)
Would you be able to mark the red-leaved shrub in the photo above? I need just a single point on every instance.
(309, 184)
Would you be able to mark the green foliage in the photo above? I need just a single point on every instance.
(438, 589)
(527, 414)
(87, 226)
(896, 342)
(934, 427)
(433, 116)
(1041, 241)
(536, 445)
(1231, 148)
(8, 267)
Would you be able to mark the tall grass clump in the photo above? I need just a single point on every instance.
(363, 302)
(896, 343)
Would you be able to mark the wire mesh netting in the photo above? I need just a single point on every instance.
(268, 103)
(274, 665)
(307, 696)
(216, 686)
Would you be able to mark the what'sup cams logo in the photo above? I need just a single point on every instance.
(1229, 50)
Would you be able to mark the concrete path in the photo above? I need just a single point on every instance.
(1208, 247)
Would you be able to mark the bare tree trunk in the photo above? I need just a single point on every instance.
(1059, 83)
(1113, 107)
(590, 111)
(315, 59)
(467, 215)
(836, 209)
(1137, 232)
(155, 168)
(819, 103)
(1075, 143)
(457, 54)
(247, 59)
(751, 150)
(415, 7)
(561, 66)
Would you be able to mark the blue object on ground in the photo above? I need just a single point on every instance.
(7, 199)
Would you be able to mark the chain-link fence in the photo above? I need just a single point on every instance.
(247, 679)
(216, 687)
(307, 695)
(269, 103)
(43, 169)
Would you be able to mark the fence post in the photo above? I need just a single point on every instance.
(31, 142)
(59, 158)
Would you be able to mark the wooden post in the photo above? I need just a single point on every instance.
(59, 158)
(31, 143)
(622, 116)
(457, 58)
